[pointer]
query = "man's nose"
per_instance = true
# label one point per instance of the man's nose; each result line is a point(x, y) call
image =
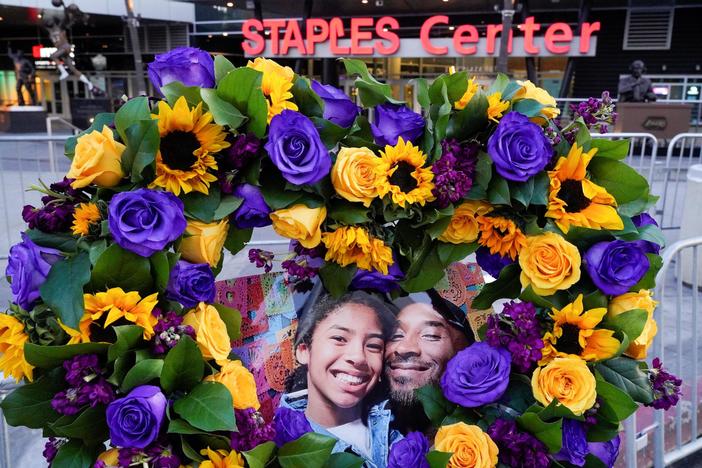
point(408, 345)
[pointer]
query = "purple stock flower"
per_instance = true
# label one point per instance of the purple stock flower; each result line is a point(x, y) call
point(409, 452)
point(135, 420)
point(492, 263)
point(289, 425)
point(191, 283)
point(50, 218)
point(477, 375)
point(666, 387)
point(145, 221)
point(252, 430)
point(574, 448)
point(454, 171)
point(518, 329)
point(393, 121)
point(244, 148)
point(80, 367)
point(518, 449)
point(51, 449)
point(296, 149)
point(253, 211)
point(28, 266)
point(262, 259)
point(169, 330)
point(607, 452)
point(190, 66)
point(87, 384)
point(616, 266)
point(160, 454)
point(339, 109)
point(377, 281)
point(596, 113)
point(519, 148)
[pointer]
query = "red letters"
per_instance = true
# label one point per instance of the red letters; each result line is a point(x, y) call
point(424, 34)
point(292, 38)
point(585, 35)
point(529, 28)
point(274, 26)
point(251, 30)
point(314, 37)
point(459, 39)
point(558, 32)
point(336, 30)
point(380, 30)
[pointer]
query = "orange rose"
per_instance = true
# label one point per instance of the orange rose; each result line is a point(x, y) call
point(566, 380)
point(471, 447)
point(240, 383)
point(463, 228)
point(203, 242)
point(549, 263)
point(210, 332)
point(97, 160)
point(641, 300)
point(354, 174)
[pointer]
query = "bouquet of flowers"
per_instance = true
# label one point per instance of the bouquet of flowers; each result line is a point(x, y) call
point(113, 326)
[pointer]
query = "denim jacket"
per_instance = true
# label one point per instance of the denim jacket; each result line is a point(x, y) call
point(378, 423)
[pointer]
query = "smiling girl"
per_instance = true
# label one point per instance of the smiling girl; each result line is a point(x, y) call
point(340, 345)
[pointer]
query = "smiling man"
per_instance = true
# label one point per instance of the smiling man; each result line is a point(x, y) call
point(430, 331)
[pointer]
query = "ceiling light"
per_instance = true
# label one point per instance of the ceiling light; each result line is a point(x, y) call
point(225, 34)
point(1, 18)
point(39, 15)
point(364, 1)
point(230, 4)
point(209, 36)
point(451, 28)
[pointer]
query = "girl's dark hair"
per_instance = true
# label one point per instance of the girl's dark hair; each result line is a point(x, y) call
point(321, 309)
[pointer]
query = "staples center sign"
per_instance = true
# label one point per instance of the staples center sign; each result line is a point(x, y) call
point(377, 37)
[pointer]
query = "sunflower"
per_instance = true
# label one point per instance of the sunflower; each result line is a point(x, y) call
point(400, 173)
point(496, 106)
point(12, 340)
point(188, 142)
point(501, 235)
point(86, 215)
point(353, 244)
point(574, 333)
point(574, 200)
point(276, 85)
point(221, 459)
point(115, 304)
point(473, 88)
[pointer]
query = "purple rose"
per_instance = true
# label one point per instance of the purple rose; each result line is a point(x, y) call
point(519, 148)
point(135, 420)
point(606, 451)
point(393, 121)
point(253, 212)
point(145, 221)
point(492, 263)
point(28, 266)
point(190, 66)
point(574, 447)
point(375, 280)
point(616, 266)
point(338, 107)
point(296, 149)
point(289, 425)
point(645, 219)
point(477, 375)
point(409, 452)
point(191, 283)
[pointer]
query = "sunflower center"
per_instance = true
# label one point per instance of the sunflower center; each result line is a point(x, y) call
point(402, 177)
point(177, 149)
point(571, 193)
point(568, 342)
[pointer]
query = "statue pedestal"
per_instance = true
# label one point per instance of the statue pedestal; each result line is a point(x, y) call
point(661, 119)
point(23, 119)
point(84, 110)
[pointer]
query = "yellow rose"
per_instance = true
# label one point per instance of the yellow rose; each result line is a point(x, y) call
point(641, 300)
point(210, 332)
point(240, 383)
point(531, 91)
point(97, 160)
point(549, 263)
point(463, 227)
point(567, 380)
point(471, 447)
point(203, 242)
point(300, 223)
point(110, 458)
point(353, 175)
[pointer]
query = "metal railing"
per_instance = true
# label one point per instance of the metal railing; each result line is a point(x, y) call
point(643, 150)
point(683, 151)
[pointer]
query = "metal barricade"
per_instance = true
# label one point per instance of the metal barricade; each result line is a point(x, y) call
point(684, 150)
point(643, 151)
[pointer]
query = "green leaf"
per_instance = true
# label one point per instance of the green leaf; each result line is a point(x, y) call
point(258, 456)
point(180, 426)
point(160, 269)
point(222, 66)
point(652, 233)
point(483, 176)
point(348, 213)
point(175, 89)
point(241, 87)
point(329, 132)
point(30, 405)
point(428, 271)
point(540, 194)
point(142, 140)
point(183, 366)
point(648, 281)
point(435, 404)
point(626, 375)
point(619, 179)
point(438, 459)
point(344, 460)
point(142, 373)
point(528, 107)
point(96, 249)
point(222, 112)
point(422, 92)
point(371, 91)
point(231, 318)
point(61, 241)
point(63, 288)
point(189, 451)
point(75, 454)
point(128, 336)
point(547, 432)
point(89, 426)
point(523, 191)
point(202, 206)
point(48, 357)
point(131, 112)
point(499, 85)
point(613, 149)
point(449, 253)
point(498, 191)
point(237, 238)
point(470, 120)
point(438, 228)
point(227, 205)
point(615, 404)
point(456, 85)
point(336, 278)
point(631, 322)
point(312, 450)
point(507, 286)
point(308, 102)
point(208, 407)
point(117, 267)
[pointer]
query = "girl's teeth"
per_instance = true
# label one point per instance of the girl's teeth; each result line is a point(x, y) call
point(350, 379)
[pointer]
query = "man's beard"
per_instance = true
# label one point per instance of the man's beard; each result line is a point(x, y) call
point(400, 393)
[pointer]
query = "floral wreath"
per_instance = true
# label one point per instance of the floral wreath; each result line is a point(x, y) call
point(113, 326)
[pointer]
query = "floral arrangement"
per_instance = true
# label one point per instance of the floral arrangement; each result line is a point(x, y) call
point(114, 331)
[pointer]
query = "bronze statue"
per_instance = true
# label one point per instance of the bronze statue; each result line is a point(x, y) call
point(636, 87)
point(24, 76)
point(57, 24)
